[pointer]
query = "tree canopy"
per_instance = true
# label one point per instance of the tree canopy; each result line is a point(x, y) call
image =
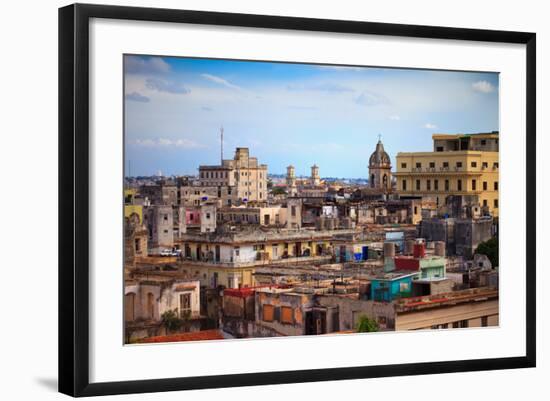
point(366, 325)
point(490, 249)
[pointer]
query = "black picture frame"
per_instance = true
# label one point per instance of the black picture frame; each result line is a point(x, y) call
point(74, 198)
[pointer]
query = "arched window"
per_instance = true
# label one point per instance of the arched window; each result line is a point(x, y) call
point(129, 307)
point(372, 180)
point(385, 179)
point(150, 305)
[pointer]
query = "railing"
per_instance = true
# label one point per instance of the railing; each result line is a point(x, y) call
point(281, 261)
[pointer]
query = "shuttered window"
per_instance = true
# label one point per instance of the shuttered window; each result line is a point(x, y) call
point(287, 315)
point(268, 313)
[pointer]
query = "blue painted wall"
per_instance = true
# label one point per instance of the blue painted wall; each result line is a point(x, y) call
point(387, 291)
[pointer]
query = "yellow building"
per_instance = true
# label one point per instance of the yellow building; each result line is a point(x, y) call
point(129, 210)
point(460, 164)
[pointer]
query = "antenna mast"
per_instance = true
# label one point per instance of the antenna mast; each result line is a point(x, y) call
point(221, 142)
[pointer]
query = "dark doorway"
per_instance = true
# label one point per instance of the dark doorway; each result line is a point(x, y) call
point(316, 322)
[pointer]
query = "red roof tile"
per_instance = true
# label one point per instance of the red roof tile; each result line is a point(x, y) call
point(190, 336)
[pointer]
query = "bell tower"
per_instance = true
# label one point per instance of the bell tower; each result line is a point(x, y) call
point(380, 168)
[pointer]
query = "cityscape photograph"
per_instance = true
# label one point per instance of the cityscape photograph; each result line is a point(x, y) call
point(272, 199)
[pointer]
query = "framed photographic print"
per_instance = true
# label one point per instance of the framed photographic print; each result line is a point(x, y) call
point(297, 199)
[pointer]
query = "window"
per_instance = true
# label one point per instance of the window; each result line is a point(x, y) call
point(382, 320)
point(429, 185)
point(458, 164)
point(185, 305)
point(463, 324)
point(165, 217)
point(495, 204)
point(439, 149)
point(474, 184)
point(403, 165)
point(404, 185)
point(207, 215)
point(432, 164)
point(484, 142)
point(418, 185)
point(129, 307)
point(455, 325)
point(150, 305)
point(495, 186)
point(484, 165)
point(293, 211)
point(287, 315)
point(418, 165)
point(436, 185)
point(267, 313)
point(416, 210)
point(459, 185)
point(485, 185)
point(237, 251)
point(445, 164)
point(485, 202)
point(495, 165)
point(473, 164)
point(446, 185)
point(484, 321)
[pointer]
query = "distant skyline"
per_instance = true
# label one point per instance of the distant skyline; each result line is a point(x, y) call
point(297, 114)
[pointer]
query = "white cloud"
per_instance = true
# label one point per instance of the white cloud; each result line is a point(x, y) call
point(430, 126)
point(322, 87)
point(395, 118)
point(140, 65)
point(159, 142)
point(370, 98)
point(137, 97)
point(483, 87)
point(166, 86)
point(220, 81)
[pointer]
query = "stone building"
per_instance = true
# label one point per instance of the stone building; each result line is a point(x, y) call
point(159, 221)
point(208, 217)
point(291, 180)
point(294, 213)
point(243, 177)
point(274, 216)
point(315, 179)
point(461, 224)
point(162, 193)
point(135, 238)
point(380, 169)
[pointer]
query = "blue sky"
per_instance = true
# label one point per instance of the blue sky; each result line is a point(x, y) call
point(297, 114)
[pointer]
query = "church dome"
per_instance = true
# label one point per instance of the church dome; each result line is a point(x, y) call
point(379, 157)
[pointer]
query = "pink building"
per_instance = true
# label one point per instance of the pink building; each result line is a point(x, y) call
point(192, 217)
